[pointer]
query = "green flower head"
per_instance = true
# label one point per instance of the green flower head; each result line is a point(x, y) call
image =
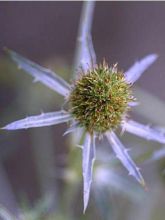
point(99, 98)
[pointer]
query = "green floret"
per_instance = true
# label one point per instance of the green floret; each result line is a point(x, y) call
point(99, 99)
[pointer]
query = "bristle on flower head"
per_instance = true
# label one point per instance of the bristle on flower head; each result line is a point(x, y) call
point(99, 99)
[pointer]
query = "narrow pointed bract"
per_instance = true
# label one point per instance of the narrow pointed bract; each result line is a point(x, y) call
point(124, 157)
point(44, 119)
point(133, 104)
point(85, 57)
point(71, 129)
point(87, 166)
point(144, 131)
point(139, 67)
point(45, 76)
point(157, 155)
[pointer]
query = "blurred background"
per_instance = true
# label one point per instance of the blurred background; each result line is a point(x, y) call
point(40, 169)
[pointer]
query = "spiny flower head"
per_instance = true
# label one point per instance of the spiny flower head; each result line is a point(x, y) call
point(104, 91)
point(99, 98)
point(98, 101)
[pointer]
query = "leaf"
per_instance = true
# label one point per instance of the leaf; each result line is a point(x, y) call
point(144, 131)
point(124, 157)
point(85, 55)
point(134, 73)
point(87, 165)
point(46, 76)
point(44, 119)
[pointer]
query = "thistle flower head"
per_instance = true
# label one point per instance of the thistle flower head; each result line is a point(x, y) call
point(99, 99)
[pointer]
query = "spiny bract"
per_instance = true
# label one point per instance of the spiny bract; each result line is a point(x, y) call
point(99, 99)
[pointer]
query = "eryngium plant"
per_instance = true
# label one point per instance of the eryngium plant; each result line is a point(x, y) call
point(98, 101)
